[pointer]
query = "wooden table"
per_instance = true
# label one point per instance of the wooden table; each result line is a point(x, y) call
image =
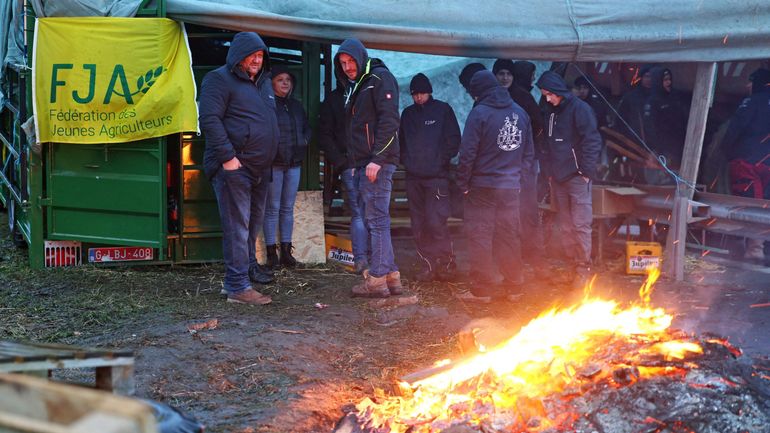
point(114, 368)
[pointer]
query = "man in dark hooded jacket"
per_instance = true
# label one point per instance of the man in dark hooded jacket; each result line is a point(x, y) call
point(429, 138)
point(531, 230)
point(573, 147)
point(371, 105)
point(237, 116)
point(747, 147)
point(496, 148)
point(664, 124)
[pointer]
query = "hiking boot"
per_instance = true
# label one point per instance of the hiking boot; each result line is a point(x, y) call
point(393, 280)
point(272, 256)
point(360, 266)
point(249, 296)
point(264, 270)
point(467, 295)
point(287, 259)
point(257, 275)
point(371, 287)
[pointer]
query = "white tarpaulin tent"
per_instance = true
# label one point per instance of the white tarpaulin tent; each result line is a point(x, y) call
point(558, 30)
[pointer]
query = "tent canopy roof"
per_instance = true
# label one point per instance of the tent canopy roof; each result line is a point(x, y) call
point(558, 30)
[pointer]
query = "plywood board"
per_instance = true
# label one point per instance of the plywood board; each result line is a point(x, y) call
point(308, 235)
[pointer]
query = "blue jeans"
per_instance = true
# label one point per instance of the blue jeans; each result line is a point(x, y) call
point(241, 198)
point(281, 195)
point(574, 216)
point(492, 232)
point(429, 208)
point(359, 236)
point(374, 199)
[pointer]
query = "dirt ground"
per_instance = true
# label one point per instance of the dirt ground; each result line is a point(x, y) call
point(291, 366)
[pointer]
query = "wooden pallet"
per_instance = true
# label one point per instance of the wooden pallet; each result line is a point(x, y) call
point(33, 405)
point(114, 369)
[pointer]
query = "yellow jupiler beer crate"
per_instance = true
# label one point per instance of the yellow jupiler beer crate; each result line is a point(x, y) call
point(643, 256)
point(339, 249)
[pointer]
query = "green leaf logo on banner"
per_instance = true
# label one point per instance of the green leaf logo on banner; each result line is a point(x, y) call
point(143, 83)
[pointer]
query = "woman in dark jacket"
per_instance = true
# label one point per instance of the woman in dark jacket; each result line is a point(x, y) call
point(292, 147)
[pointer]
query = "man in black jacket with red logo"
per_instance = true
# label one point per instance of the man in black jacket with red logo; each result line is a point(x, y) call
point(429, 138)
point(573, 147)
point(371, 106)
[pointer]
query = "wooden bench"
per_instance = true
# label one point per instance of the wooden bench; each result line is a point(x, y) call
point(114, 368)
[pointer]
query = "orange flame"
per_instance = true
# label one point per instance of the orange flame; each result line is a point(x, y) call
point(547, 356)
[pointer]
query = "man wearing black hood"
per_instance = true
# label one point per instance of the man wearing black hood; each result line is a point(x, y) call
point(747, 147)
point(496, 148)
point(573, 147)
point(429, 138)
point(630, 122)
point(371, 105)
point(664, 124)
point(237, 116)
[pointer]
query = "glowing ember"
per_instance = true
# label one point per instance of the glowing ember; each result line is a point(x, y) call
point(554, 354)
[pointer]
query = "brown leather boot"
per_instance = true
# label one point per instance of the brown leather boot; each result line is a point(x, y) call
point(249, 296)
point(371, 287)
point(393, 280)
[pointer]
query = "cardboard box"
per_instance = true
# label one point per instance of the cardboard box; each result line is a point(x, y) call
point(641, 257)
point(614, 200)
point(339, 249)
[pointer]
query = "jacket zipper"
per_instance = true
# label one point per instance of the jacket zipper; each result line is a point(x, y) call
point(574, 156)
point(550, 125)
point(366, 125)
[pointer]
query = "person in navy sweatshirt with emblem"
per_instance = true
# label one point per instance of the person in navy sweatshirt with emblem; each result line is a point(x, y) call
point(429, 138)
point(495, 150)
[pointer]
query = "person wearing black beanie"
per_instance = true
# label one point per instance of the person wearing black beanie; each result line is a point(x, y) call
point(467, 73)
point(420, 84)
point(429, 137)
point(503, 70)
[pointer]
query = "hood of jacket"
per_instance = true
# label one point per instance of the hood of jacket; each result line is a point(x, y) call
point(656, 75)
point(488, 90)
point(355, 49)
point(245, 43)
point(522, 74)
point(554, 83)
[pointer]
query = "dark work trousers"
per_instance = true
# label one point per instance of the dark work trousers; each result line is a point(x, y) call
point(573, 213)
point(492, 233)
point(429, 208)
point(532, 240)
point(241, 197)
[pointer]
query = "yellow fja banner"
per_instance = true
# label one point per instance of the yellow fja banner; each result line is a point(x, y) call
point(101, 80)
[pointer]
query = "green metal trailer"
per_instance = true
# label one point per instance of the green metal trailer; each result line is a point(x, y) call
point(141, 200)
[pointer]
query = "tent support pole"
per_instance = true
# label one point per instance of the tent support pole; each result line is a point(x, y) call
point(702, 98)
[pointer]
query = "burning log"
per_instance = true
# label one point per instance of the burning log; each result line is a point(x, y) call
point(594, 367)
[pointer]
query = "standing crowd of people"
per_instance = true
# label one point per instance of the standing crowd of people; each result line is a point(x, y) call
point(510, 151)
point(257, 136)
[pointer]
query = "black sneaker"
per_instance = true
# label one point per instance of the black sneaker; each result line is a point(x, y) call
point(257, 276)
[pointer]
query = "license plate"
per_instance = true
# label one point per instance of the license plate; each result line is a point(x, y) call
point(119, 254)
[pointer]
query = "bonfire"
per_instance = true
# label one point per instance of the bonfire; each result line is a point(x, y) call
point(596, 366)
